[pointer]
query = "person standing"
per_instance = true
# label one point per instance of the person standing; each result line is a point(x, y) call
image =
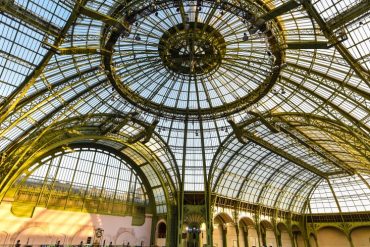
point(18, 244)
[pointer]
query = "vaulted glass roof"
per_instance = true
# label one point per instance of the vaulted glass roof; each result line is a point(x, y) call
point(263, 101)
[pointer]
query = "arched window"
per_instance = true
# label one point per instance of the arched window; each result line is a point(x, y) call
point(82, 177)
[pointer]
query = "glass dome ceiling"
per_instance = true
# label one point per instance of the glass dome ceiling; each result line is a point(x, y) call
point(190, 59)
point(234, 93)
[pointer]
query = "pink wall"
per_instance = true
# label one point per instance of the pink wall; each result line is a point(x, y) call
point(48, 226)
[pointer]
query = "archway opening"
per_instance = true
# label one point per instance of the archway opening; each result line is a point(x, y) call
point(224, 233)
point(360, 236)
point(283, 237)
point(162, 230)
point(247, 233)
point(267, 234)
point(297, 236)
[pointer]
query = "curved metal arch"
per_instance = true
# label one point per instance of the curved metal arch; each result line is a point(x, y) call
point(362, 155)
point(245, 180)
point(108, 117)
point(309, 116)
point(269, 181)
point(340, 83)
point(223, 168)
point(129, 161)
point(282, 224)
point(264, 221)
point(311, 120)
point(343, 113)
point(22, 149)
point(367, 224)
point(293, 202)
point(245, 219)
point(320, 227)
point(48, 147)
point(54, 111)
point(225, 217)
point(17, 95)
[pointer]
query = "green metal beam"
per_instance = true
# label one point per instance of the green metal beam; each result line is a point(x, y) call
point(323, 101)
point(118, 126)
point(260, 22)
point(120, 24)
point(285, 7)
point(12, 101)
point(17, 11)
point(145, 134)
point(242, 133)
point(271, 126)
point(349, 15)
point(32, 97)
point(51, 113)
point(358, 90)
point(318, 149)
point(282, 153)
point(81, 50)
point(307, 45)
point(330, 35)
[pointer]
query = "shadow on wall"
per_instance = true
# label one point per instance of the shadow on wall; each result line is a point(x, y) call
point(126, 238)
point(361, 236)
point(332, 237)
point(285, 238)
point(3, 237)
point(247, 232)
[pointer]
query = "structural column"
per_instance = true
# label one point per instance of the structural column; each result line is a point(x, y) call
point(224, 234)
point(245, 236)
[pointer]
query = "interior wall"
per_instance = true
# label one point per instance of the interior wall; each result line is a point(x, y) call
point(270, 238)
point(285, 238)
point(217, 235)
point(332, 237)
point(312, 241)
point(300, 240)
point(48, 226)
point(361, 237)
point(252, 237)
point(231, 236)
